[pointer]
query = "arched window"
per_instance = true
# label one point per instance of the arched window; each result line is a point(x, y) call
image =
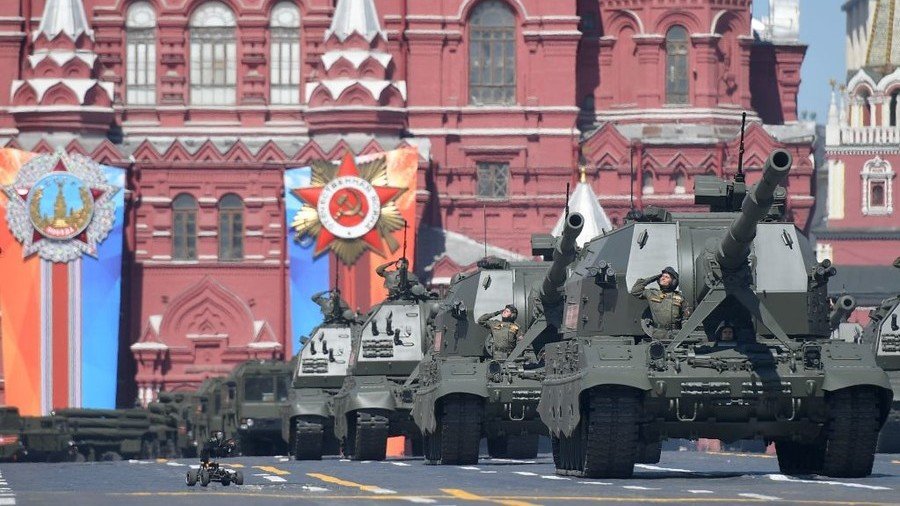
point(213, 55)
point(284, 27)
point(184, 227)
point(140, 58)
point(680, 182)
point(864, 108)
point(231, 228)
point(492, 54)
point(677, 65)
point(893, 108)
point(647, 183)
point(877, 192)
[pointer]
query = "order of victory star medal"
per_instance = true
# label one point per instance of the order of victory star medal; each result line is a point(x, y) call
point(60, 207)
point(348, 209)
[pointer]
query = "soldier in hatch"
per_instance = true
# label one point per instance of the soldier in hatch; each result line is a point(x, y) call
point(216, 447)
point(400, 281)
point(505, 333)
point(725, 334)
point(667, 306)
point(331, 303)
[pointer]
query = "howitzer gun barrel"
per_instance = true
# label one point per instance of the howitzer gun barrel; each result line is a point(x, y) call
point(563, 255)
point(842, 309)
point(735, 246)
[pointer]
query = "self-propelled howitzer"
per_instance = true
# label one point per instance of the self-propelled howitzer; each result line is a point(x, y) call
point(612, 391)
point(469, 390)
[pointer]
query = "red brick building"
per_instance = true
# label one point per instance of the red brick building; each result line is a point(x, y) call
point(206, 102)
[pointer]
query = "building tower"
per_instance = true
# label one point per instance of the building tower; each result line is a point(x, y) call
point(861, 230)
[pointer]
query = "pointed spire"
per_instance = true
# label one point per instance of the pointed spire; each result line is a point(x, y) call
point(355, 16)
point(584, 201)
point(66, 16)
point(832, 107)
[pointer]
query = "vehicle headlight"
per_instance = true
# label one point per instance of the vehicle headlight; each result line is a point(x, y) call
point(249, 422)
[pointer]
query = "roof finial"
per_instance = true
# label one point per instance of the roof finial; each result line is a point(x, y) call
point(66, 16)
point(582, 173)
point(355, 16)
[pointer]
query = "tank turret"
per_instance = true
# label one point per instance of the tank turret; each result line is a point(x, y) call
point(563, 255)
point(843, 307)
point(735, 245)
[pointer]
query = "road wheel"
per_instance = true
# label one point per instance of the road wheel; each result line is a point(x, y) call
point(191, 477)
point(370, 433)
point(459, 429)
point(554, 446)
point(610, 433)
point(238, 478)
point(851, 433)
point(226, 480)
point(308, 439)
point(204, 477)
point(799, 458)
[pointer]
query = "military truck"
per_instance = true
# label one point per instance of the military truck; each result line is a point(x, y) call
point(466, 391)
point(10, 428)
point(48, 439)
point(252, 398)
point(206, 416)
point(307, 420)
point(177, 408)
point(882, 334)
point(612, 391)
point(375, 401)
point(109, 434)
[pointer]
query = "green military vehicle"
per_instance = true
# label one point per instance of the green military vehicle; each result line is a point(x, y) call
point(466, 390)
point(619, 382)
point(110, 434)
point(10, 429)
point(252, 398)
point(882, 334)
point(376, 400)
point(206, 416)
point(177, 408)
point(307, 420)
point(48, 439)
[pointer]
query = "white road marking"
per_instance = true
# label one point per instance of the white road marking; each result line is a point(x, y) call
point(195, 466)
point(469, 468)
point(420, 500)
point(781, 477)
point(488, 472)
point(7, 501)
point(761, 497)
point(595, 483)
point(700, 491)
point(525, 473)
point(514, 461)
point(177, 464)
point(380, 490)
point(638, 487)
point(401, 464)
point(344, 460)
point(276, 479)
point(553, 477)
point(657, 468)
point(282, 459)
point(310, 488)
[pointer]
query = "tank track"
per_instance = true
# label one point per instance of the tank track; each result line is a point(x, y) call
point(889, 437)
point(846, 447)
point(309, 435)
point(605, 443)
point(457, 438)
point(370, 436)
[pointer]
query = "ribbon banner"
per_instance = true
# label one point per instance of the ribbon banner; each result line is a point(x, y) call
point(61, 265)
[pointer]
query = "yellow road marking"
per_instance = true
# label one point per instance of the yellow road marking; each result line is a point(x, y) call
point(344, 483)
point(236, 466)
point(161, 461)
point(737, 454)
point(468, 496)
point(273, 470)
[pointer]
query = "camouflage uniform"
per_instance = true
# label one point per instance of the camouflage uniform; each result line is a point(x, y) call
point(398, 280)
point(666, 305)
point(504, 335)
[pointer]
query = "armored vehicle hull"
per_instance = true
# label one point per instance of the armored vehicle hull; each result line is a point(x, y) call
point(109, 434)
point(882, 334)
point(375, 402)
point(10, 427)
point(307, 420)
point(48, 439)
point(616, 385)
point(253, 396)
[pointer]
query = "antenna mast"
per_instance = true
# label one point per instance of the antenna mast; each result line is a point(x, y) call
point(405, 226)
point(484, 219)
point(567, 202)
point(631, 166)
point(740, 168)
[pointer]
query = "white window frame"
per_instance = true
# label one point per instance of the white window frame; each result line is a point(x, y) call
point(140, 54)
point(213, 63)
point(285, 56)
point(877, 170)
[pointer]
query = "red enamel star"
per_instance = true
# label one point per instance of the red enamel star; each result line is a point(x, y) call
point(311, 195)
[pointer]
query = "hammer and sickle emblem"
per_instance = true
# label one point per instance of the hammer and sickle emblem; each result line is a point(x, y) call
point(348, 204)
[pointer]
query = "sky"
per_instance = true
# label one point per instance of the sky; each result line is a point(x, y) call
point(822, 27)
